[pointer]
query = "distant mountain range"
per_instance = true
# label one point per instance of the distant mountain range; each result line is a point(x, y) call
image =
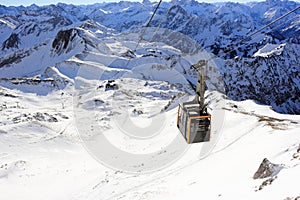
point(265, 68)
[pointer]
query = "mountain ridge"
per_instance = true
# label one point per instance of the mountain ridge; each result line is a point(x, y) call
point(214, 26)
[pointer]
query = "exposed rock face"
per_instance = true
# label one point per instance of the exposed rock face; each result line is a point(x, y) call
point(63, 40)
point(297, 154)
point(272, 80)
point(16, 57)
point(291, 198)
point(12, 42)
point(265, 183)
point(267, 169)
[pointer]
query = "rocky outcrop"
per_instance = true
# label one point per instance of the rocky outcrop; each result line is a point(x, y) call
point(297, 154)
point(63, 40)
point(293, 198)
point(267, 169)
point(272, 80)
point(12, 42)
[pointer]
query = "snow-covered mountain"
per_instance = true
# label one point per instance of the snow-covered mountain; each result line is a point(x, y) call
point(92, 70)
point(28, 31)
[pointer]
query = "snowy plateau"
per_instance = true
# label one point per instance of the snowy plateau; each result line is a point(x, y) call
point(89, 98)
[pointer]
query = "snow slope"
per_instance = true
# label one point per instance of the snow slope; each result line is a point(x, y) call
point(270, 49)
point(29, 32)
point(54, 128)
point(42, 159)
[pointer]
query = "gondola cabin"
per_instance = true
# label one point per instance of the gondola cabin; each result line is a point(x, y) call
point(193, 120)
point(194, 125)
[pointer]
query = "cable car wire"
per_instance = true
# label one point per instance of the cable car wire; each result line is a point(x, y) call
point(229, 49)
point(147, 25)
point(255, 32)
point(269, 31)
point(269, 24)
point(144, 31)
point(165, 16)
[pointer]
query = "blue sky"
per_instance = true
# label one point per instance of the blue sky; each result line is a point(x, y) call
point(78, 2)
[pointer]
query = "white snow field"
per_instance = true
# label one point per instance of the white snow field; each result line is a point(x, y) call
point(270, 49)
point(53, 129)
point(42, 159)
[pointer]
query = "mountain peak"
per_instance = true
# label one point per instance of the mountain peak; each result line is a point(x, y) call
point(188, 2)
point(146, 2)
point(63, 39)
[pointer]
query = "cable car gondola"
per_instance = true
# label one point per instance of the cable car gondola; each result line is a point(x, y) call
point(193, 120)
